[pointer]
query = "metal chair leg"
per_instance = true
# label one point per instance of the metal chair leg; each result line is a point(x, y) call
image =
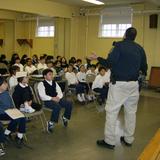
point(42, 122)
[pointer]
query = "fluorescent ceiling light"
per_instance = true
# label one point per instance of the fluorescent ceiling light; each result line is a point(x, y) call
point(94, 2)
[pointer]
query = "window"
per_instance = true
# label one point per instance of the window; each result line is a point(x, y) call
point(45, 31)
point(114, 30)
point(114, 22)
point(45, 28)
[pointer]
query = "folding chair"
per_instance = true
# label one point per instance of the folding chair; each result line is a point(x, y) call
point(39, 101)
point(90, 79)
point(4, 123)
point(40, 114)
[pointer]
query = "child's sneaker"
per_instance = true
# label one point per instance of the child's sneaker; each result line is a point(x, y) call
point(89, 98)
point(79, 98)
point(50, 126)
point(83, 97)
point(64, 121)
point(19, 142)
point(2, 152)
point(29, 109)
point(22, 108)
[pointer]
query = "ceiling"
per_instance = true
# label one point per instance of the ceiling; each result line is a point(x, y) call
point(107, 2)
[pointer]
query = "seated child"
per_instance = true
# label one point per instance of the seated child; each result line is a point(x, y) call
point(78, 64)
point(13, 79)
point(17, 63)
point(73, 83)
point(58, 67)
point(22, 95)
point(18, 124)
point(92, 69)
point(50, 65)
point(51, 94)
point(100, 84)
point(42, 64)
point(81, 76)
point(29, 67)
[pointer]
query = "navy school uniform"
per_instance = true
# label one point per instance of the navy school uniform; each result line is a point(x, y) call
point(49, 89)
point(23, 94)
point(81, 76)
point(73, 82)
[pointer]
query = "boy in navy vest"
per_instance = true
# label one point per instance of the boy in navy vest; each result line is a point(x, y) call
point(51, 94)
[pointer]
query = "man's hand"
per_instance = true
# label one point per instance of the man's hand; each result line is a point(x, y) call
point(93, 56)
point(56, 99)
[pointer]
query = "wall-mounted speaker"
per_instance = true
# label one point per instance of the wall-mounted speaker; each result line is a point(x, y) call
point(153, 21)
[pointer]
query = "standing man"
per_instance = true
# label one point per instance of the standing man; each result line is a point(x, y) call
point(126, 60)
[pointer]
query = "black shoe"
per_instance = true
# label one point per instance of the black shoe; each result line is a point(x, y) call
point(50, 126)
point(124, 142)
point(100, 102)
point(102, 143)
point(8, 139)
point(19, 142)
point(64, 121)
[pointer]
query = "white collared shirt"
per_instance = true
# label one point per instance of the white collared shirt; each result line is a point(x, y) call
point(30, 69)
point(90, 72)
point(42, 92)
point(71, 78)
point(81, 76)
point(23, 86)
point(41, 66)
point(20, 66)
point(13, 81)
point(100, 81)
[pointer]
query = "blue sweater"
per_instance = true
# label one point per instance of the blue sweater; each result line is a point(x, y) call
point(125, 61)
point(5, 102)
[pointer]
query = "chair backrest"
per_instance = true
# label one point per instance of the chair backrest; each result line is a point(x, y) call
point(40, 71)
point(34, 96)
point(3, 68)
point(90, 78)
point(37, 97)
point(11, 90)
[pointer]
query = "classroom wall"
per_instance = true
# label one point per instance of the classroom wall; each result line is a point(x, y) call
point(40, 7)
point(27, 30)
point(76, 36)
point(88, 40)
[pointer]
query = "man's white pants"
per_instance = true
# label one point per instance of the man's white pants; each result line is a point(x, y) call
point(121, 93)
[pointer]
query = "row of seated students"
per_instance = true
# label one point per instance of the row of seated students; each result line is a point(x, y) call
point(75, 73)
point(77, 81)
point(32, 64)
point(49, 92)
point(22, 94)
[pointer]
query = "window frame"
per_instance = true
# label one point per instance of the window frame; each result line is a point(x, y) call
point(48, 31)
point(109, 11)
point(117, 31)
